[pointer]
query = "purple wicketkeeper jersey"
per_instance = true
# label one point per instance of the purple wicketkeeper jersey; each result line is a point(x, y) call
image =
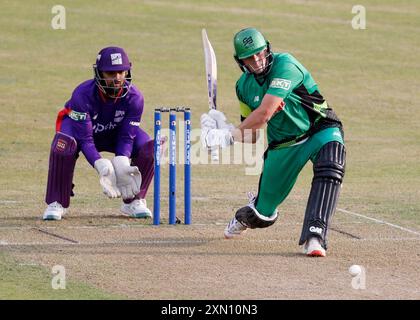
point(97, 120)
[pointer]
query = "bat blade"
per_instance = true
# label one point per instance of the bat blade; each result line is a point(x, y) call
point(211, 78)
point(211, 70)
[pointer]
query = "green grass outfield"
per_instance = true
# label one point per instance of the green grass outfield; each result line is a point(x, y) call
point(31, 281)
point(370, 77)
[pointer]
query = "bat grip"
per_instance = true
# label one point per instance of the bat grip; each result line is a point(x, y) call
point(214, 154)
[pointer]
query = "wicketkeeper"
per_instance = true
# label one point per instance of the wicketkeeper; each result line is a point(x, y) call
point(103, 114)
point(277, 90)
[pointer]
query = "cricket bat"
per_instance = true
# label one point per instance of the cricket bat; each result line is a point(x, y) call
point(211, 78)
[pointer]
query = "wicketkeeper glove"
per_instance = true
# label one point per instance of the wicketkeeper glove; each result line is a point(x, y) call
point(128, 177)
point(107, 178)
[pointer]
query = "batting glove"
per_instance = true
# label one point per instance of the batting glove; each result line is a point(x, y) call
point(207, 122)
point(216, 138)
point(220, 119)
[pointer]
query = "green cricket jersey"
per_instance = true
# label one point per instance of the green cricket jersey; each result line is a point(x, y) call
point(305, 109)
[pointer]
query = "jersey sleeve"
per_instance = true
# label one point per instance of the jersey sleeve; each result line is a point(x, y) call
point(285, 80)
point(244, 109)
point(82, 127)
point(129, 127)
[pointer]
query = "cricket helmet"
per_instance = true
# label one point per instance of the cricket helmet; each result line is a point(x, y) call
point(249, 42)
point(111, 59)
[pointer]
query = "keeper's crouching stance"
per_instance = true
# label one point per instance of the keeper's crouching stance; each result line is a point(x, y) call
point(103, 114)
point(276, 89)
point(120, 177)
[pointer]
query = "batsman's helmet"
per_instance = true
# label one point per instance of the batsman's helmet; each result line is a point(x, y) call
point(112, 59)
point(249, 42)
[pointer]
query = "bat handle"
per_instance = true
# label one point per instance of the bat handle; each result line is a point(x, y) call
point(215, 154)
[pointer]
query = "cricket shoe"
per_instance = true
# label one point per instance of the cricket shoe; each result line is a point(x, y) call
point(234, 229)
point(313, 248)
point(137, 209)
point(54, 211)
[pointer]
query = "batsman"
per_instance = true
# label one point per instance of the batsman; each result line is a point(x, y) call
point(277, 91)
point(103, 114)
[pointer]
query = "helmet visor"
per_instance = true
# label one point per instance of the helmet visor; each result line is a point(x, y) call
point(257, 63)
point(112, 86)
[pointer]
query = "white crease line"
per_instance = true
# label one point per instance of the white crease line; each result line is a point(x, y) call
point(127, 242)
point(379, 221)
point(8, 202)
point(127, 226)
point(15, 228)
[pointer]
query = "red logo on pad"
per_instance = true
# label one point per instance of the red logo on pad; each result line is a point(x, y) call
point(61, 145)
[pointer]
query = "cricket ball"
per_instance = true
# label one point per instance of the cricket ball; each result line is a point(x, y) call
point(355, 270)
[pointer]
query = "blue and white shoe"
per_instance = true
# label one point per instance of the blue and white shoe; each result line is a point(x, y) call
point(54, 211)
point(137, 209)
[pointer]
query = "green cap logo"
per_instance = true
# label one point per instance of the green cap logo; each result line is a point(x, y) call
point(248, 42)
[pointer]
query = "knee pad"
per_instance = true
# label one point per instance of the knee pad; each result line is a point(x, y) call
point(329, 171)
point(62, 161)
point(331, 162)
point(251, 218)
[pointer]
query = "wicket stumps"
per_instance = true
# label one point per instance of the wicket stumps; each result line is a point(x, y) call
point(172, 164)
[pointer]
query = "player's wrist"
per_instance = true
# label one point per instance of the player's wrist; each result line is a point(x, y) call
point(236, 134)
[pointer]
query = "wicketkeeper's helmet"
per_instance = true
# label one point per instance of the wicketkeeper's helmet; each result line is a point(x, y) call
point(112, 59)
point(248, 42)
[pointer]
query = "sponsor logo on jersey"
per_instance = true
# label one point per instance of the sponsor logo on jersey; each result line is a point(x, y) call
point(256, 99)
point(280, 83)
point(134, 123)
point(119, 115)
point(116, 58)
point(100, 127)
point(315, 230)
point(77, 116)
